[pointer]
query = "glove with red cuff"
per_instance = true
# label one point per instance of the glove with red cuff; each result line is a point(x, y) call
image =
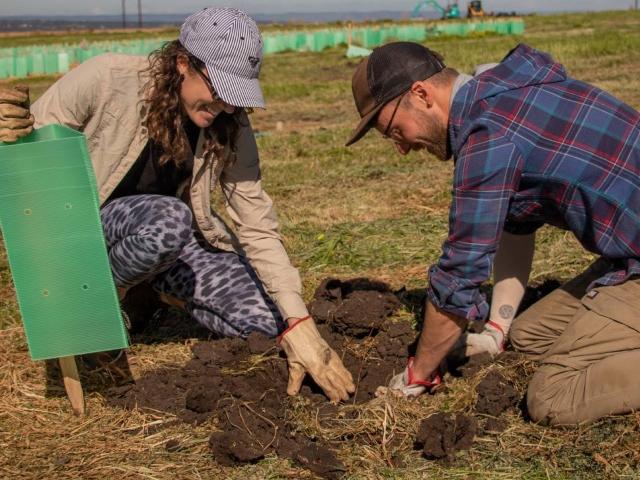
point(308, 352)
point(491, 340)
point(406, 385)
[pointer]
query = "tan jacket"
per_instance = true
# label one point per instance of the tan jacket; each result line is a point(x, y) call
point(101, 98)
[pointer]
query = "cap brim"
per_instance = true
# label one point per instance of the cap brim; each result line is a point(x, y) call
point(236, 91)
point(364, 126)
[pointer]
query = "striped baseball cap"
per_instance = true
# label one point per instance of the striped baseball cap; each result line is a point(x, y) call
point(228, 41)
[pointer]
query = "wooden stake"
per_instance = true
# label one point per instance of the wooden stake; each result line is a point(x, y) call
point(72, 384)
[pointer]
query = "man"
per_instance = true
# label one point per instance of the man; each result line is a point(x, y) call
point(530, 146)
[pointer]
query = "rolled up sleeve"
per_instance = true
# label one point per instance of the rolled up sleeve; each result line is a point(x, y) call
point(256, 225)
point(487, 174)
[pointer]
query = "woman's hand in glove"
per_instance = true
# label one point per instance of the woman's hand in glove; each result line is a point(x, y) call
point(15, 118)
point(308, 352)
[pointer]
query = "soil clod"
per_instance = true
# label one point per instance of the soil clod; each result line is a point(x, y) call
point(357, 307)
point(495, 394)
point(172, 445)
point(443, 434)
point(320, 460)
point(234, 448)
point(474, 364)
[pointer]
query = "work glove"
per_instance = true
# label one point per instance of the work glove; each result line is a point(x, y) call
point(490, 340)
point(406, 385)
point(15, 118)
point(307, 352)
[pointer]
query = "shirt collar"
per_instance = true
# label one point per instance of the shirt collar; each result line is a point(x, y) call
point(457, 84)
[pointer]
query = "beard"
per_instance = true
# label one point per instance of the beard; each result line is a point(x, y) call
point(434, 136)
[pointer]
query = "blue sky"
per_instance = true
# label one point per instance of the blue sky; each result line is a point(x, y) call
point(84, 7)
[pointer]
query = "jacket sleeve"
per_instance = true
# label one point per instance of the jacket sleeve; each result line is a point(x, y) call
point(487, 175)
point(256, 226)
point(71, 99)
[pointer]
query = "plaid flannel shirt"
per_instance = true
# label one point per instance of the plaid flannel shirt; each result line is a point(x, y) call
point(532, 146)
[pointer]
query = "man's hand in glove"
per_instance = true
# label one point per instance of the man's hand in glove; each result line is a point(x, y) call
point(405, 385)
point(307, 352)
point(15, 118)
point(490, 340)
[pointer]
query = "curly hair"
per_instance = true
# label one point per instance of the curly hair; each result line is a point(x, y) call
point(165, 115)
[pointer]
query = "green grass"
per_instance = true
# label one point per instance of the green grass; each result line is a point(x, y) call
point(366, 211)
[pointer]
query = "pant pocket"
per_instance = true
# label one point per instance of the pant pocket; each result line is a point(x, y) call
point(620, 303)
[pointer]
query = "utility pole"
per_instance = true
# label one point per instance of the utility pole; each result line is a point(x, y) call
point(124, 15)
point(140, 13)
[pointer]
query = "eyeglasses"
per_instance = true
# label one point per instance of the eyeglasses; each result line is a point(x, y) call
point(393, 115)
point(209, 85)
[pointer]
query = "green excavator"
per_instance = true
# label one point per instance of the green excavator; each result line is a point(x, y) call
point(451, 11)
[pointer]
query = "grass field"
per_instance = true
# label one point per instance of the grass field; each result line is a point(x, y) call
point(362, 211)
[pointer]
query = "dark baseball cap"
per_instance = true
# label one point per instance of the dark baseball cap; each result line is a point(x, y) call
point(387, 72)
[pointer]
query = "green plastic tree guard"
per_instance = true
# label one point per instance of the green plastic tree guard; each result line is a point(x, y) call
point(37, 64)
point(53, 236)
point(51, 63)
point(63, 62)
point(23, 61)
point(21, 67)
point(516, 27)
point(356, 52)
point(4, 67)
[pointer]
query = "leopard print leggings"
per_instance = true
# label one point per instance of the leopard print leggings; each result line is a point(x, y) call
point(150, 238)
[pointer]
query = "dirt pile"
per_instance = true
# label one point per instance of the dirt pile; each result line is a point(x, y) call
point(495, 394)
point(443, 434)
point(469, 367)
point(374, 360)
point(357, 307)
point(249, 431)
point(353, 317)
point(242, 383)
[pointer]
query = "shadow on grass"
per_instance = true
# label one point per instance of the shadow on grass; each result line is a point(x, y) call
point(152, 322)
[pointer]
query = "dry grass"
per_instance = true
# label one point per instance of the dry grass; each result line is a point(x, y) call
point(350, 212)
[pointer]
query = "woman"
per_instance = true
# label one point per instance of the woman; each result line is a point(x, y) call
point(162, 133)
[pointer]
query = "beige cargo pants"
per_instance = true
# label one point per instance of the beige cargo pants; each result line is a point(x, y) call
point(588, 346)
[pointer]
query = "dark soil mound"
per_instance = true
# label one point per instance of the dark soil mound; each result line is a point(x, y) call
point(372, 362)
point(248, 399)
point(243, 383)
point(495, 394)
point(357, 307)
point(474, 364)
point(249, 431)
point(320, 460)
point(443, 434)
